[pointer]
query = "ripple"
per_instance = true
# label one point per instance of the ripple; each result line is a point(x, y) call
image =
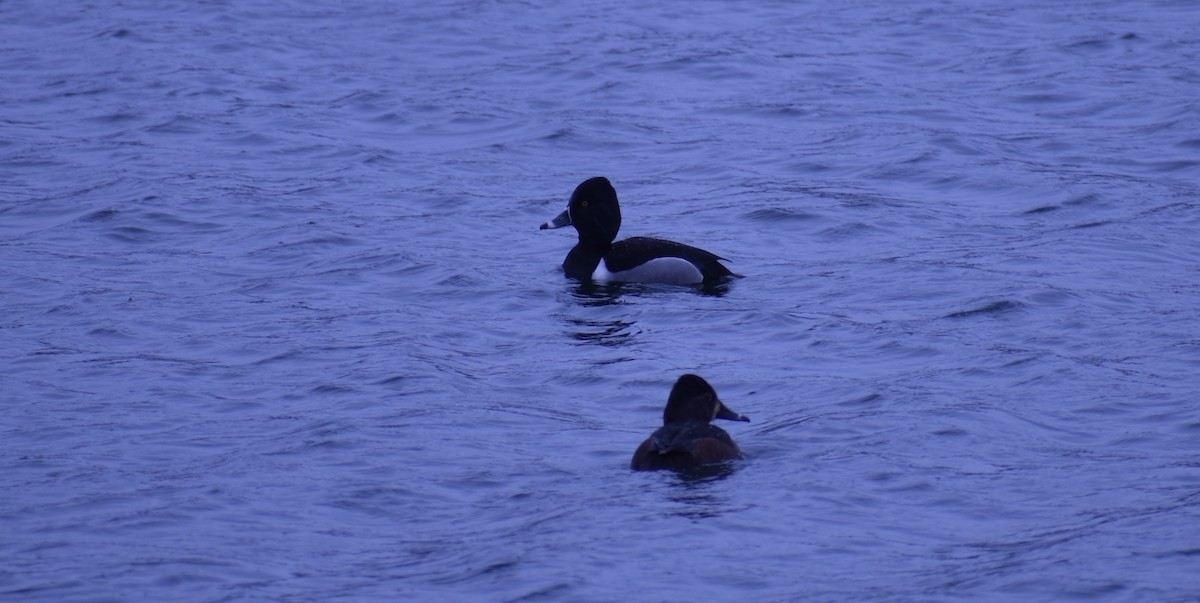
point(779, 214)
point(997, 307)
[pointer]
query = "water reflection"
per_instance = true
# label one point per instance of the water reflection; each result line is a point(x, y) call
point(588, 293)
point(615, 332)
point(717, 289)
point(591, 294)
point(696, 477)
point(693, 491)
point(603, 332)
point(606, 332)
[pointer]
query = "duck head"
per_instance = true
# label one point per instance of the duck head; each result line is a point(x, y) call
point(692, 399)
point(593, 211)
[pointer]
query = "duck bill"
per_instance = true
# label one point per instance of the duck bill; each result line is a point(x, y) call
point(563, 219)
point(729, 415)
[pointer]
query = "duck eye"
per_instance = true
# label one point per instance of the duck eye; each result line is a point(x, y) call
point(583, 204)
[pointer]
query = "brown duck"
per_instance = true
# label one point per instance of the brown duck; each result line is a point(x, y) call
point(687, 437)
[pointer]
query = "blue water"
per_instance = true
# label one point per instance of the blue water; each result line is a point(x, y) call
point(279, 324)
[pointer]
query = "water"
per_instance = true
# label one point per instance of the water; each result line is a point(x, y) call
point(279, 323)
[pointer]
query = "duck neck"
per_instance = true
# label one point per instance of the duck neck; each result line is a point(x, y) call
point(581, 262)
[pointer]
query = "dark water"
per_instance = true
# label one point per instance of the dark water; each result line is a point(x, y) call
point(278, 322)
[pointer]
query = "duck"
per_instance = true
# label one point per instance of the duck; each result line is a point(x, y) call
point(596, 215)
point(687, 437)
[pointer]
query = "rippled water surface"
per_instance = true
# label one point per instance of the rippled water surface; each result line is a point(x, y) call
point(278, 322)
